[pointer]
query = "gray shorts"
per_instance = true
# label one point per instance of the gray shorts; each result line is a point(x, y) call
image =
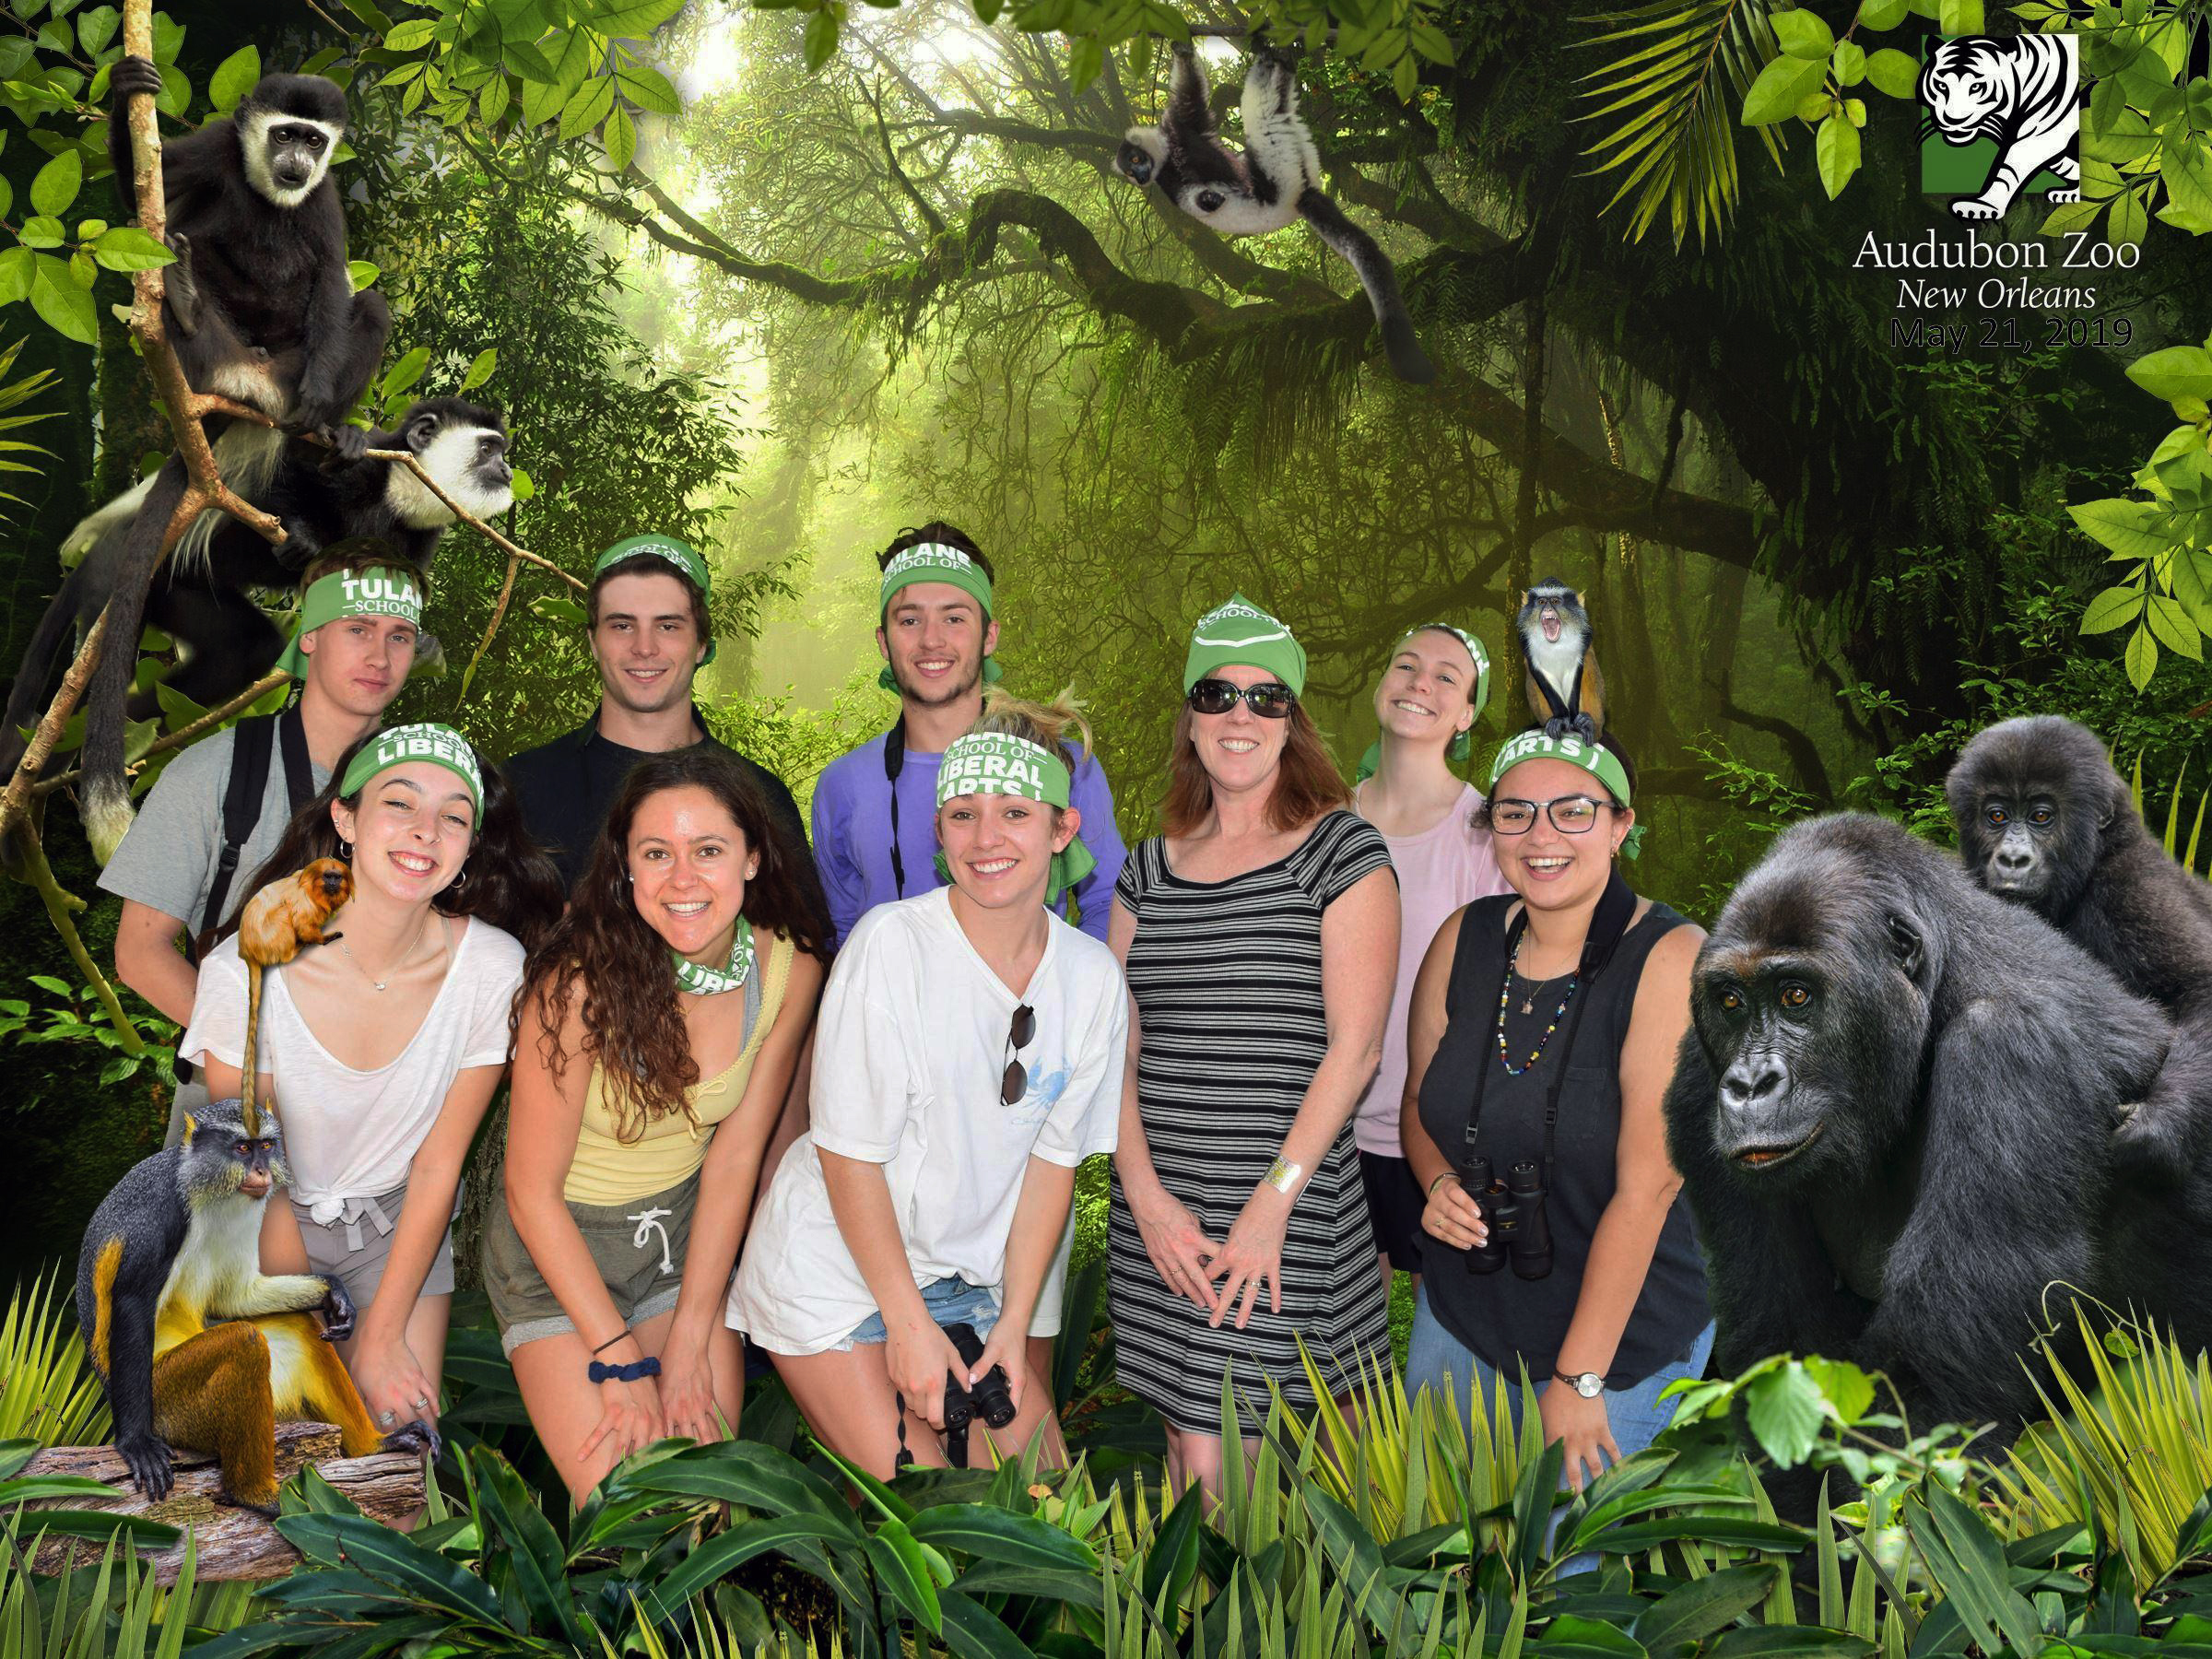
point(638, 1248)
point(355, 1246)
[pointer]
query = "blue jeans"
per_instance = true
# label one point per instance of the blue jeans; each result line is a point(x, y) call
point(951, 1301)
point(1636, 1415)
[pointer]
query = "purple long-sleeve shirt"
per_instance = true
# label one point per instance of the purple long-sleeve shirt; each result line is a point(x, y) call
point(853, 835)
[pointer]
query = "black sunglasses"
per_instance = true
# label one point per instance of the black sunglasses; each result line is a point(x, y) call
point(1014, 1081)
point(1270, 700)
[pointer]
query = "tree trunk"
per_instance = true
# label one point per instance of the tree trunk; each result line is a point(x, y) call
point(230, 1542)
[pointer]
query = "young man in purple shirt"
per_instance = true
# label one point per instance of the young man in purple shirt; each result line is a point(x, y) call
point(874, 809)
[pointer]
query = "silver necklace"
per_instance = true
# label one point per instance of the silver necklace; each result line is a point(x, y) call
point(391, 972)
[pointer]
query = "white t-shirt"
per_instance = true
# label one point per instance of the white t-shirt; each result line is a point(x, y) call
point(907, 1066)
point(352, 1133)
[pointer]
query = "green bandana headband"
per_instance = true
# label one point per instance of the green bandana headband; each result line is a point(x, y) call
point(712, 982)
point(689, 564)
point(1242, 633)
point(384, 591)
point(1600, 762)
point(935, 561)
point(440, 745)
point(1001, 763)
point(1463, 743)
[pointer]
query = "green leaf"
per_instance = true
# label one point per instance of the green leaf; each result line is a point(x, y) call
point(972, 1632)
point(492, 101)
point(15, 274)
point(901, 1568)
point(361, 274)
point(1848, 1390)
point(57, 184)
point(96, 28)
point(541, 102)
point(649, 90)
point(620, 136)
point(1086, 58)
point(175, 95)
point(1803, 34)
point(393, 1558)
point(128, 248)
point(1405, 78)
point(2116, 608)
point(635, 20)
point(1960, 18)
point(233, 79)
point(1001, 1536)
point(405, 372)
point(169, 38)
point(481, 369)
point(2134, 529)
point(1784, 1408)
point(587, 107)
point(44, 233)
point(535, 1553)
point(2175, 628)
point(728, 1551)
point(65, 308)
point(411, 36)
point(1781, 86)
point(1848, 63)
point(822, 39)
point(523, 486)
point(1838, 151)
point(1640, 1536)
point(1704, 1606)
point(46, 982)
point(1881, 14)
point(1574, 1637)
point(2142, 658)
point(2177, 372)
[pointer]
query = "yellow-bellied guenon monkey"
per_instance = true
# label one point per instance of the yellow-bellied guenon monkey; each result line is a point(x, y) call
point(196, 1344)
point(1566, 693)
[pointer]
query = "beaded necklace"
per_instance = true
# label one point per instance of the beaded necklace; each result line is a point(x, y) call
point(1574, 981)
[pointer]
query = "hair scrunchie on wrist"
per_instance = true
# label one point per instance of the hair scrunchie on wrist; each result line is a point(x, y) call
point(637, 1371)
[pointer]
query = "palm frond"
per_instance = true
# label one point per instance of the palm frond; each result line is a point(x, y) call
point(16, 392)
point(1672, 97)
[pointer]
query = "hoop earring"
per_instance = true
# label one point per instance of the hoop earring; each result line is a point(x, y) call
point(345, 849)
point(461, 880)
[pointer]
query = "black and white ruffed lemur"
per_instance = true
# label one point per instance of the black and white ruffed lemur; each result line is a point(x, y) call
point(1275, 182)
point(1566, 692)
point(196, 1345)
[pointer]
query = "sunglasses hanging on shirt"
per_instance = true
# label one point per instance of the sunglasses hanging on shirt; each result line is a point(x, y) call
point(1014, 1082)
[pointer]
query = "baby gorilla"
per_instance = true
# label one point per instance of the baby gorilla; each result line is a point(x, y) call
point(2045, 821)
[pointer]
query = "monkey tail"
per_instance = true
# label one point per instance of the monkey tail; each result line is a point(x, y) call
point(1358, 249)
point(249, 1105)
point(105, 795)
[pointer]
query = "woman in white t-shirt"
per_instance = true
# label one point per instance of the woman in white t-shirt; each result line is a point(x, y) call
point(379, 1050)
point(1428, 701)
point(969, 1058)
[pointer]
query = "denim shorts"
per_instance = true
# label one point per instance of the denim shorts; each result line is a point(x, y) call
point(951, 1301)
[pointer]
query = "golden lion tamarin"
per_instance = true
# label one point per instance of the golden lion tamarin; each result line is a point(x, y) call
point(276, 922)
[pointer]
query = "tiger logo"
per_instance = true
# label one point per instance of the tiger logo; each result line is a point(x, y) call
point(2024, 93)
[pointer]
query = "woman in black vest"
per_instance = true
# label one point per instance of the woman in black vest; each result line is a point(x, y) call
point(1542, 1038)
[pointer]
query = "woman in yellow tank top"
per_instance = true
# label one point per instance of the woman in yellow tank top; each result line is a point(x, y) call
point(655, 1036)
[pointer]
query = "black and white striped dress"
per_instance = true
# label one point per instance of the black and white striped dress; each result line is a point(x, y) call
point(1226, 977)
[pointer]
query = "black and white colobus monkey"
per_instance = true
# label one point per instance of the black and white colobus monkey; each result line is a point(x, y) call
point(260, 309)
point(200, 597)
point(1273, 183)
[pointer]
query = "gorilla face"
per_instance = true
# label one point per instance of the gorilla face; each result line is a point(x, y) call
point(2032, 800)
point(1807, 1002)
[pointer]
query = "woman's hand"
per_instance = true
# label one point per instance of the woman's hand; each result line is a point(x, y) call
point(1253, 1252)
point(1583, 1428)
point(918, 1356)
point(686, 1388)
point(1452, 1216)
point(392, 1383)
point(1177, 1245)
point(630, 1419)
point(1007, 1349)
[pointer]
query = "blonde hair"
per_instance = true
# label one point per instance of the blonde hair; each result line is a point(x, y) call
point(1045, 724)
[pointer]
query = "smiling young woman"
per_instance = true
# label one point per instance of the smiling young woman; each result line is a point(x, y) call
point(380, 1050)
point(655, 1038)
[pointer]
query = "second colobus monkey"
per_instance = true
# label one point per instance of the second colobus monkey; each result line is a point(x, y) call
point(1273, 183)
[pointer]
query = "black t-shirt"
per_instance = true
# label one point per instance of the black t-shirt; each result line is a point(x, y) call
point(1502, 1317)
point(567, 787)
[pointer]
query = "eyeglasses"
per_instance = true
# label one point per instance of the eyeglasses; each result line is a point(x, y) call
point(1014, 1081)
point(1270, 700)
point(1570, 815)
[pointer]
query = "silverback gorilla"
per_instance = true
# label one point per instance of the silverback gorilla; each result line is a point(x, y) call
point(2046, 821)
point(1892, 1118)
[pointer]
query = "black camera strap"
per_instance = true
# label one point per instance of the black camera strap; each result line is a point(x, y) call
point(1615, 909)
point(894, 762)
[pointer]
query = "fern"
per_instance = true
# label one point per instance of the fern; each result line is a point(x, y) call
point(1676, 91)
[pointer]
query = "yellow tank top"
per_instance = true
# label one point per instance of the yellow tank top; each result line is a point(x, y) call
point(608, 1170)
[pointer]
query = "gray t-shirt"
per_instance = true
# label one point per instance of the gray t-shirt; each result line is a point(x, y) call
point(168, 859)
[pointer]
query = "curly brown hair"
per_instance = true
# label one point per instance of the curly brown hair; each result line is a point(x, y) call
point(633, 1023)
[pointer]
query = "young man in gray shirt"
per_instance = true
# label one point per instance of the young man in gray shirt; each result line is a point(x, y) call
point(359, 624)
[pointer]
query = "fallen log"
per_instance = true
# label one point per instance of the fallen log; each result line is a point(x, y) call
point(230, 1543)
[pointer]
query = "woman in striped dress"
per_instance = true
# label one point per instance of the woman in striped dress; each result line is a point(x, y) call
point(1259, 936)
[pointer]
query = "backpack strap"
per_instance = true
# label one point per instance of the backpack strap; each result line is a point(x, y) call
point(894, 762)
point(244, 792)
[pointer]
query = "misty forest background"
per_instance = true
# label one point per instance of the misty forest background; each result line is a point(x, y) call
point(1816, 561)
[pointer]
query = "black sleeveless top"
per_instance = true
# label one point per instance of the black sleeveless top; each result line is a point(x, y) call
point(1504, 1319)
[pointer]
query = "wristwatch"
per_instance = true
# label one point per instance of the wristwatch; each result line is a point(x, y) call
point(1589, 1384)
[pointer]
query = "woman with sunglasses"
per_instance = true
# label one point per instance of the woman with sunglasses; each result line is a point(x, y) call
point(1544, 1031)
point(970, 1058)
point(656, 1037)
point(1427, 702)
point(1258, 935)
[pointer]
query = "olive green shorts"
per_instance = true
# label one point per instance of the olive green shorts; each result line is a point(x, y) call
point(638, 1248)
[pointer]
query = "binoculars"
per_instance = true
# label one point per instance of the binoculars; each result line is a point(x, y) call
point(1513, 1210)
point(989, 1399)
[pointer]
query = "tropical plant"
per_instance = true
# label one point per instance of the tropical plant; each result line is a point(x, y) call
point(2182, 852)
point(48, 1394)
point(13, 396)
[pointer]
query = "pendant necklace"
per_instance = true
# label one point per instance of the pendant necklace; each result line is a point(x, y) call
point(391, 972)
point(1528, 1006)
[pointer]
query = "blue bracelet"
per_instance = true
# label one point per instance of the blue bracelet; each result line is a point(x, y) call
point(636, 1372)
